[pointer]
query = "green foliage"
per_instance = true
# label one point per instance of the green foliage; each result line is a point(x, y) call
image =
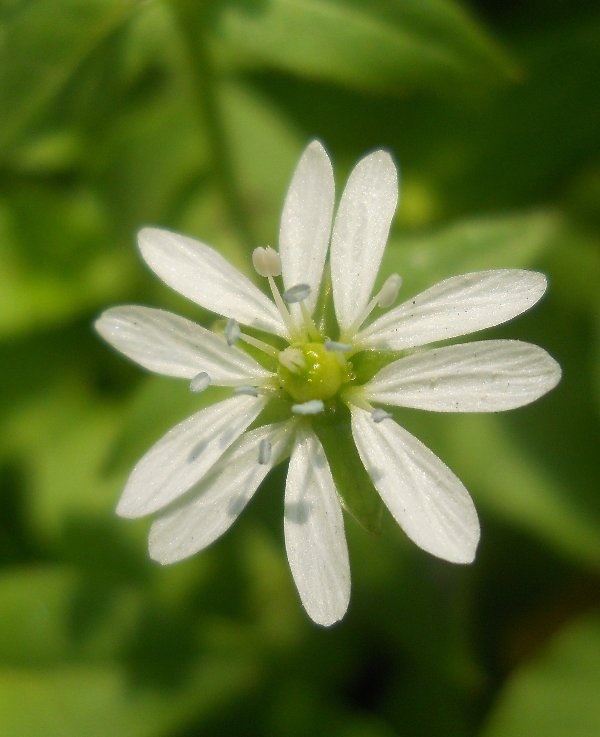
point(116, 114)
point(535, 700)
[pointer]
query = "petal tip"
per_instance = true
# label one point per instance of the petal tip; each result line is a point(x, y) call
point(126, 509)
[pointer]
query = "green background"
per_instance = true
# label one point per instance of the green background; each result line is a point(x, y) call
point(115, 114)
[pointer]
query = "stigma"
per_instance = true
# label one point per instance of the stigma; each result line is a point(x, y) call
point(309, 371)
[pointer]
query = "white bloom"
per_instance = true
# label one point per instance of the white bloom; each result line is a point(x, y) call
point(204, 471)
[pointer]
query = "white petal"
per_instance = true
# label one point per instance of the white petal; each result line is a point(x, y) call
point(455, 306)
point(314, 533)
point(360, 233)
point(182, 456)
point(484, 376)
point(171, 345)
point(204, 276)
point(426, 499)
point(306, 221)
point(212, 506)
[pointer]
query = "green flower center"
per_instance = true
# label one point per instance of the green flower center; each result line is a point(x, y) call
point(309, 371)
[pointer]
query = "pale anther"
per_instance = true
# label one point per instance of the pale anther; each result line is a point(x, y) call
point(266, 261)
point(298, 293)
point(250, 391)
point(232, 331)
point(333, 345)
point(264, 452)
point(312, 407)
point(293, 360)
point(200, 382)
point(379, 415)
point(389, 291)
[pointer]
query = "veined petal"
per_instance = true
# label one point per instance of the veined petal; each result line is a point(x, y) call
point(212, 506)
point(171, 345)
point(455, 306)
point(426, 499)
point(204, 276)
point(483, 376)
point(360, 233)
point(306, 221)
point(314, 533)
point(182, 456)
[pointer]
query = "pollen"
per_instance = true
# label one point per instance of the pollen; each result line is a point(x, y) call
point(319, 375)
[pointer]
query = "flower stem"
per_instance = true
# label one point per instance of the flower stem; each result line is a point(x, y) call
point(193, 26)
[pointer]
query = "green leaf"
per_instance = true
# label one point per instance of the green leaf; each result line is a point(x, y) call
point(64, 438)
point(43, 43)
point(96, 700)
point(504, 241)
point(383, 45)
point(49, 617)
point(55, 263)
point(34, 627)
point(513, 485)
point(556, 694)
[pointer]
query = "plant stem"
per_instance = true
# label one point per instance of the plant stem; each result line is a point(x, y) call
point(193, 26)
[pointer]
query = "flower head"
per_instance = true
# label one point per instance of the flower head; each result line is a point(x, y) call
point(293, 351)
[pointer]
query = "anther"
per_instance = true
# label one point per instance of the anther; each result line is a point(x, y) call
point(379, 415)
point(232, 331)
point(200, 382)
point(312, 407)
point(333, 345)
point(293, 360)
point(266, 261)
point(384, 298)
point(389, 291)
point(297, 293)
point(264, 452)
point(250, 391)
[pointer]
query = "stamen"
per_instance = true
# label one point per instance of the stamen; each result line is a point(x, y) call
point(200, 382)
point(293, 360)
point(333, 345)
point(264, 452)
point(297, 293)
point(283, 311)
point(266, 261)
point(313, 407)
point(260, 344)
point(389, 291)
point(250, 391)
point(379, 415)
point(309, 322)
point(232, 331)
point(385, 297)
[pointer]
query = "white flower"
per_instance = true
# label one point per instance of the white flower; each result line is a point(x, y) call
point(204, 471)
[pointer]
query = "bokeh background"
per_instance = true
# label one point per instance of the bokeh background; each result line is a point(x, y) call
point(119, 113)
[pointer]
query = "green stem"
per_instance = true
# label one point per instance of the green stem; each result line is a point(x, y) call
point(193, 27)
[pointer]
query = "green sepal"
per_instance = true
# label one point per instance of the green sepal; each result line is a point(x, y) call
point(354, 487)
point(367, 363)
point(324, 313)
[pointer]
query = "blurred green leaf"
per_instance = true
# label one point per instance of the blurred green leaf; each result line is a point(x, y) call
point(34, 624)
point(45, 623)
point(57, 258)
point(511, 483)
point(75, 700)
point(557, 693)
point(43, 43)
point(499, 241)
point(65, 438)
point(383, 45)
